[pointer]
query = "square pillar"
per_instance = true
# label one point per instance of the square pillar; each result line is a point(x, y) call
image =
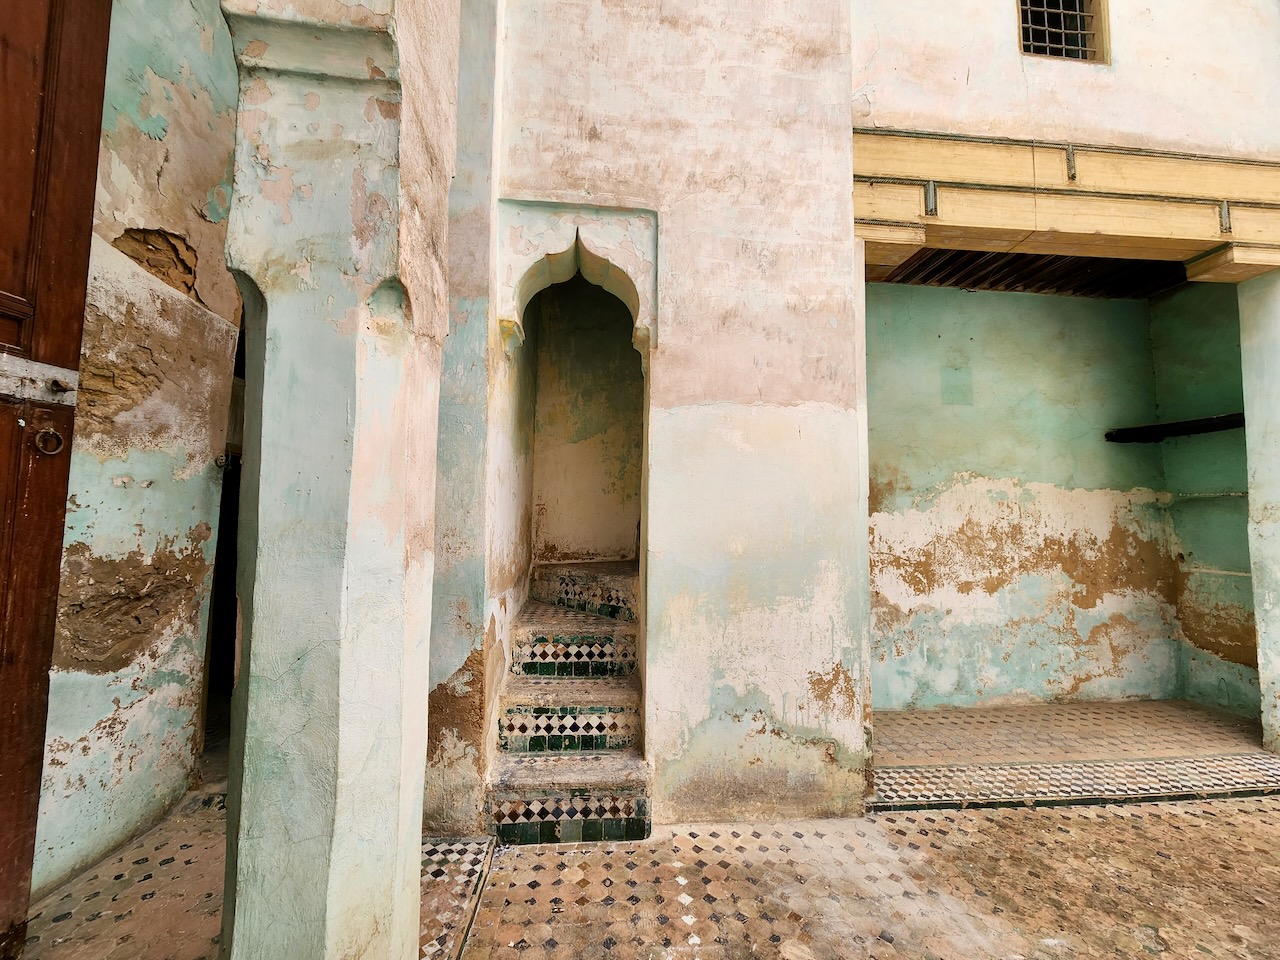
point(1260, 362)
point(342, 393)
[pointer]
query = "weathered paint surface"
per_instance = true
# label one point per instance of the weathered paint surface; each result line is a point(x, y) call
point(144, 490)
point(754, 644)
point(588, 427)
point(1260, 364)
point(466, 652)
point(1184, 75)
point(754, 701)
point(338, 222)
point(1014, 553)
point(164, 169)
point(1195, 337)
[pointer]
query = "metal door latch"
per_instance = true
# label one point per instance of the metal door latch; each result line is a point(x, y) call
point(49, 441)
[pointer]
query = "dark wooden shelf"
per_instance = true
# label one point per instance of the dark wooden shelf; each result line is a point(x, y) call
point(1155, 432)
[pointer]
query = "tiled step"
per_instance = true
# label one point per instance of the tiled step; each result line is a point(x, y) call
point(568, 714)
point(569, 798)
point(554, 641)
point(1077, 781)
point(605, 587)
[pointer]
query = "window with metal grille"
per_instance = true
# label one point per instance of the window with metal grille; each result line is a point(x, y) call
point(1072, 29)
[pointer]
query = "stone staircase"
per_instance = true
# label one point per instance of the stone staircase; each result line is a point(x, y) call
point(569, 765)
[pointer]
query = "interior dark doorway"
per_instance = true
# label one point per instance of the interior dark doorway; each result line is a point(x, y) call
point(224, 608)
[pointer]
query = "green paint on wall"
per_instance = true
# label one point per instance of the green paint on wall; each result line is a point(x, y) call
point(1028, 386)
point(997, 503)
point(196, 54)
point(1195, 340)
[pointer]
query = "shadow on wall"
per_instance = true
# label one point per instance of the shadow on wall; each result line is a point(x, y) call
point(588, 425)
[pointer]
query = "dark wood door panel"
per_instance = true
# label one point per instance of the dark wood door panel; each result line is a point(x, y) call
point(34, 484)
point(53, 61)
point(52, 67)
point(23, 63)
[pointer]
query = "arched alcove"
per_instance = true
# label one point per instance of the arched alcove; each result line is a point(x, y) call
point(542, 244)
point(587, 422)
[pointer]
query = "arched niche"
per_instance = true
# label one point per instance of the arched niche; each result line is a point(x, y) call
point(541, 244)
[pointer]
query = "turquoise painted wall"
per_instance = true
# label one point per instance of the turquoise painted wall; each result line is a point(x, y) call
point(1016, 555)
point(463, 640)
point(125, 691)
point(1195, 338)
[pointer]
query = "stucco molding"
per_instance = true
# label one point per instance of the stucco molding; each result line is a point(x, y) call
point(313, 38)
point(544, 243)
point(317, 153)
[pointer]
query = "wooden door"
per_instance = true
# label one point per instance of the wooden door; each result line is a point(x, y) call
point(52, 67)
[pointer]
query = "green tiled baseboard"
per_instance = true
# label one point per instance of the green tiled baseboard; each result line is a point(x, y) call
point(575, 831)
point(567, 728)
point(597, 668)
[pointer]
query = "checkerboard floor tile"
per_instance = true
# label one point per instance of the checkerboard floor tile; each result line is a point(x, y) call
point(1191, 879)
point(453, 873)
point(1060, 753)
point(160, 897)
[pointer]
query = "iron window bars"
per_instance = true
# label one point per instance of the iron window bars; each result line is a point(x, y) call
point(1070, 29)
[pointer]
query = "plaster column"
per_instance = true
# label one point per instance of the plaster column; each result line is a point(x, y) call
point(336, 540)
point(1260, 361)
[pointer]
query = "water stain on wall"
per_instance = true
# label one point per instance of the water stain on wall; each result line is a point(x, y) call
point(989, 554)
point(111, 609)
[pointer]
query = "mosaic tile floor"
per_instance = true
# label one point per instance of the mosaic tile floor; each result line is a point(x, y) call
point(160, 897)
point(1065, 753)
point(1196, 878)
point(453, 873)
point(1191, 879)
point(605, 587)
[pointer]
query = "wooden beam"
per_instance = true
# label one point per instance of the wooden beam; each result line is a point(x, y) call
point(888, 246)
point(1234, 263)
point(1057, 199)
point(956, 161)
point(894, 202)
point(1111, 171)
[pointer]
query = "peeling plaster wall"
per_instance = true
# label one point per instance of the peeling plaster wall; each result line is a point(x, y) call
point(137, 564)
point(731, 122)
point(1015, 555)
point(589, 424)
point(159, 338)
point(1195, 336)
point(1187, 75)
point(466, 653)
point(168, 128)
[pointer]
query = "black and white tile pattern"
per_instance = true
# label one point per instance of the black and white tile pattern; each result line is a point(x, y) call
point(538, 729)
point(1077, 781)
point(604, 588)
point(453, 874)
